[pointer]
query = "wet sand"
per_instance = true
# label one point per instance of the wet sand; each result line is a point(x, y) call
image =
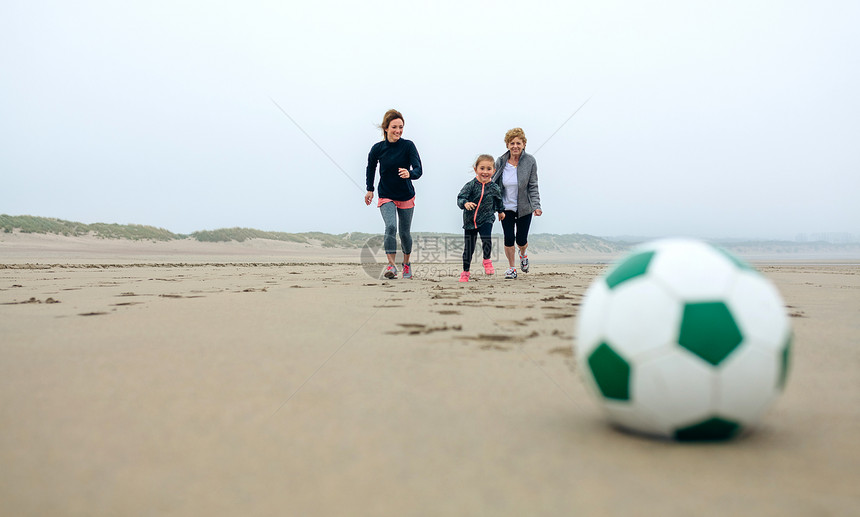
point(245, 380)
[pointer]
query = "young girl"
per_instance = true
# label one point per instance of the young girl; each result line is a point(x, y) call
point(479, 199)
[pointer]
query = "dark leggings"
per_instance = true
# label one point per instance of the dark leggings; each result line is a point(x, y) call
point(522, 228)
point(390, 215)
point(471, 238)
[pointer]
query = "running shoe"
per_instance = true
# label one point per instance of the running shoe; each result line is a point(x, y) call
point(488, 267)
point(524, 263)
point(390, 272)
point(407, 271)
point(464, 276)
point(511, 272)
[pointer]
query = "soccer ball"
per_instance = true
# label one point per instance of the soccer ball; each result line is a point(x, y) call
point(683, 340)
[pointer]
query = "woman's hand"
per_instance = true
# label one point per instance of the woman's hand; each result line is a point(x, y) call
point(468, 205)
point(538, 212)
point(368, 198)
point(403, 173)
point(501, 216)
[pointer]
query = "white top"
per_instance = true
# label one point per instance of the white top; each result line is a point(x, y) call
point(510, 186)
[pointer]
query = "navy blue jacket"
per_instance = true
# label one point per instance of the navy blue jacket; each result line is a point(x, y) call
point(391, 157)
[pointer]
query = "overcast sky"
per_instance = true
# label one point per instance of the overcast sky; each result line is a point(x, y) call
point(708, 119)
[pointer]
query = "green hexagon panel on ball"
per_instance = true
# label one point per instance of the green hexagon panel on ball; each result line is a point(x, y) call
point(611, 373)
point(709, 331)
point(682, 340)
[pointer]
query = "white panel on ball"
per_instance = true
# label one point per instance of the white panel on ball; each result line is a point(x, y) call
point(678, 386)
point(642, 318)
point(759, 310)
point(591, 320)
point(636, 418)
point(693, 270)
point(748, 383)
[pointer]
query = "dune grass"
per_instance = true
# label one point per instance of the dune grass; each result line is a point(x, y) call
point(448, 242)
point(32, 224)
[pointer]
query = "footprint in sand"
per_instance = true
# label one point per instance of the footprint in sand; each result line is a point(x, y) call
point(419, 328)
point(564, 351)
point(495, 347)
point(558, 316)
point(508, 323)
point(558, 297)
point(32, 300)
point(501, 338)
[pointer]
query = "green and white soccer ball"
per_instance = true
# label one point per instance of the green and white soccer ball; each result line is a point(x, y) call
point(681, 339)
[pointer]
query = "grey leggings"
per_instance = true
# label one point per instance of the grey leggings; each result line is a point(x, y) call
point(390, 214)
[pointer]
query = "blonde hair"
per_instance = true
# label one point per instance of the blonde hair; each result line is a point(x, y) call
point(484, 158)
point(516, 132)
point(390, 115)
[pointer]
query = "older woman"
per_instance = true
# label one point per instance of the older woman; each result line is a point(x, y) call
point(399, 164)
point(516, 173)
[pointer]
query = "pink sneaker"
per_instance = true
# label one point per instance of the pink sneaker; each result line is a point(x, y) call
point(464, 276)
point(488, 267)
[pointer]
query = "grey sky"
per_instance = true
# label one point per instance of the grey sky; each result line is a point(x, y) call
point(709, 119)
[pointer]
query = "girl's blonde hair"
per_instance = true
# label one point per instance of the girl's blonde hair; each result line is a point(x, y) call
point(390, 115)
point(484, 158)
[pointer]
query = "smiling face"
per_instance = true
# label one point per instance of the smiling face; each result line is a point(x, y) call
point(394, 130)
point(484, 171)
point(516, 146)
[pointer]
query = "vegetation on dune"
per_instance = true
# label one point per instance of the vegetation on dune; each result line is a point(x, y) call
point(47, 225)
point(132, 231)
point(325, 240)
point(243, 234)
point(429, 241)
point(31, 224)
point(356, 239)
point(574, 242)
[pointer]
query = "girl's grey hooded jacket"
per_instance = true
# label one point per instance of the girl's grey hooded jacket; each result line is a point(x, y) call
point(528, 197)
point(488, 197)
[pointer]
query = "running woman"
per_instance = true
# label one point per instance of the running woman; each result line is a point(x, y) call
point(516, 174)
point(399, 164)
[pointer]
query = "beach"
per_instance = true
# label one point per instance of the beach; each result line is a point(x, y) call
point(261, 378)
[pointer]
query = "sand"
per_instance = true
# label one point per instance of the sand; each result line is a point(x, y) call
point(252, 379)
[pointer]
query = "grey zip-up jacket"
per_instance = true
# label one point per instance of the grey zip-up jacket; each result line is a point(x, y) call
point(488, 197)
point(528, 197)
